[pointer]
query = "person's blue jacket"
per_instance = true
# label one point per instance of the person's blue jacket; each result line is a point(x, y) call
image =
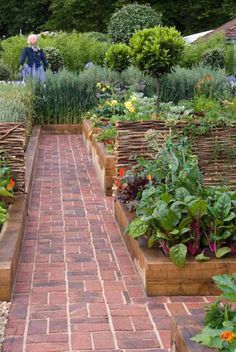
point(36, 57)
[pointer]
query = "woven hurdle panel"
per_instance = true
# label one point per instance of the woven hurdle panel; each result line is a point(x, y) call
point(216, 150)
point(12, 143)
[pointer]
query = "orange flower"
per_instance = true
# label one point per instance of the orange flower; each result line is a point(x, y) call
point(228, 336)
point(9, 187)
point(12, 182)
point(122, 172)
point(149, 177)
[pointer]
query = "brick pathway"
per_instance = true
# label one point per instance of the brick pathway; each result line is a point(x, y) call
point(76, 288)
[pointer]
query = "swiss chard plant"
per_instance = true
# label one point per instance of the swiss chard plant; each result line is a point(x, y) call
point(177, 213)
point(219, 330)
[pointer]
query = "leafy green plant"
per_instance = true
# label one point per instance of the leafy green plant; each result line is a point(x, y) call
point(215, 58)
point(156, 51)
point(4, 72)
point(54, 58)
point(220, 318)
point(129, 19)
point(179, 214)
point(118, 57)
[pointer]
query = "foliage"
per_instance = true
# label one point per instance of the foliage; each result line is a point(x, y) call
point(7, 185)
point(193, 52)
point(220, 318)
point(17, 104)
point(129, 19)
point(215, 58)
point(4, 72)
point(118, 57)
point(77, 49)
point(54, 58)
point(181, 83)
point(179, 214)
point(156, 51)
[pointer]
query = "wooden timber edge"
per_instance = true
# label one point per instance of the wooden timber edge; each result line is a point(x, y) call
point(10, 244)
point(182, 329)
point(62, 129)
point(104, 164)
point(160, 276)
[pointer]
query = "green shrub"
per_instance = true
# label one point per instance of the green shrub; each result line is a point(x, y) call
point(215, 58)
point(180, 84)
point(76, 48)
point(131, 18)
point(193, 52)
point(54, 58)
point(156, 51)
point(118, 57)
point(4, 72)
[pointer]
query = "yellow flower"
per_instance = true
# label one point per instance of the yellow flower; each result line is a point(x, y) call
point(114, 102)
point(129, 106)
point(99, 85)
point(133, 99)
point(103, 89)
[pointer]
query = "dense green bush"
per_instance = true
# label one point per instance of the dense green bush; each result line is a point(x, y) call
point(54, 58)
point(215, 58)
point(156, 50)
point(76, 48)
point(193, 52)
point(131, 18)
point(118, 57)
point(181, 83)
point(4, 72)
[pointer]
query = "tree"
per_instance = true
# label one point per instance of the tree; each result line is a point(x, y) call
point(130, 18)
point(118, 57)
point(22, 16)
point(80, 15)
point(156, 51)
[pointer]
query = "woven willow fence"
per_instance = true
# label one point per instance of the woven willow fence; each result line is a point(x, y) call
point(12, 144)
point(216, 150)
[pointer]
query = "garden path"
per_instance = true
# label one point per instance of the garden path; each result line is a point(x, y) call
point(76, 287)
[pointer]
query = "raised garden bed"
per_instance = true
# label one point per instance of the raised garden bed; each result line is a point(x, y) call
point(160, 276)
point(182, 329)
point(104, 164)
point(13, 230)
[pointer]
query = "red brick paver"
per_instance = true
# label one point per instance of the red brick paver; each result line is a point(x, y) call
point(76, 288)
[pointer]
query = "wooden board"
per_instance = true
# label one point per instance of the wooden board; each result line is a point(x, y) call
point(62, 129)
point(182, 329)
point(160, 276)
point(12, 237)
point(216, 150)
point(87, 132)
point(104, 164)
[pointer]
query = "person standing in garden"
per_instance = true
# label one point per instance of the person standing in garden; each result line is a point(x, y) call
point(36, 60)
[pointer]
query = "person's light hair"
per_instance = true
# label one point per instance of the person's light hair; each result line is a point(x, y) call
point(32, 38)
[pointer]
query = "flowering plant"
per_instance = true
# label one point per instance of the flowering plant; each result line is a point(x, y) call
point(220, 319)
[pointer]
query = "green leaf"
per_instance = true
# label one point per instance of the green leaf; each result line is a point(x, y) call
point(202, 258)
point(174, 162)
point(223, 206)
point(5, 193)
point(178, 254)
point(166, 218)
point(222, 251)
point(198, 207)
point(226, 283)
point(151, 241)
point(137, 228)
point(161, 235)
point(230, 217)
point(181, 193)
